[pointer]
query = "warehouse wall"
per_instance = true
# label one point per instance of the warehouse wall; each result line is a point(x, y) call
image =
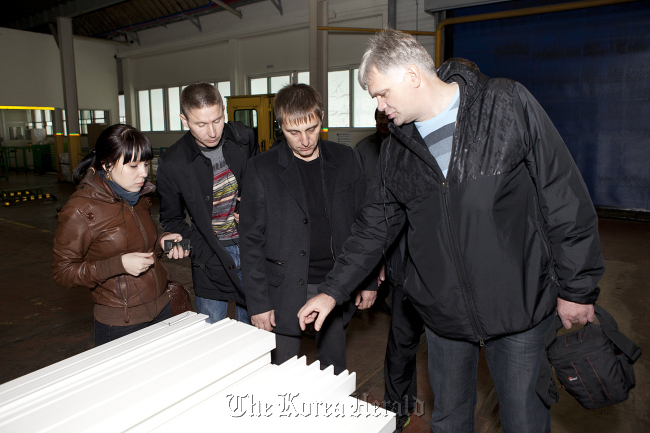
point(31, 72)
point(30, 69)
point(590, 70)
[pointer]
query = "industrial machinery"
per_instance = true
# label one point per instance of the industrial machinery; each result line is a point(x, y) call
point(256, 111)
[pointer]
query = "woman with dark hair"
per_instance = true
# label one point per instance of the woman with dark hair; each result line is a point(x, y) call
point(106, 240)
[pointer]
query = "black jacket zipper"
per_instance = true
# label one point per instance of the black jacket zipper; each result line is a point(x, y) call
point(459, 268)
point(469, 303)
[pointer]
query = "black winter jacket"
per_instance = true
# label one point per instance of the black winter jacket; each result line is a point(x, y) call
point(493, 245)
point(184, 180)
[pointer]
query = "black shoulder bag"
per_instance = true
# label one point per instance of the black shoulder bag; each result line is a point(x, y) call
point(594, 364)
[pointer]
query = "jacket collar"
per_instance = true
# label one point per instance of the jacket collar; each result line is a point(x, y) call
point(192, 150)
point(286, 156)
point(470, 80)
point(96, 187)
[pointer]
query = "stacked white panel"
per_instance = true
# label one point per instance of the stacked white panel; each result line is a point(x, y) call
point(179, 373)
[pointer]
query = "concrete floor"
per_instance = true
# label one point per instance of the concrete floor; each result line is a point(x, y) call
point(41, 323)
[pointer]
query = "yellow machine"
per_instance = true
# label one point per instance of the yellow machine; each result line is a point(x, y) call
point(256, 112)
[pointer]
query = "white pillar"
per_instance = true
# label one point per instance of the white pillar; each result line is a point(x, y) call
point(318, 50)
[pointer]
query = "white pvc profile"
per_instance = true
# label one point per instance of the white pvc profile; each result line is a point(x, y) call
point(183, 374)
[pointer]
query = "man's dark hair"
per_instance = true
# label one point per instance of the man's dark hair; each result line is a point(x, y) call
point(200, 95)
point(297, 103)
point(463, 61)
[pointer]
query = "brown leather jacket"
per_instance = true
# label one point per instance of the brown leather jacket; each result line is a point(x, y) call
point(95, 228)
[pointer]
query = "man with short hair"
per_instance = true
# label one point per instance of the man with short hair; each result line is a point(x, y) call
point(298, 204)
point(202, 175)
point(501, 230)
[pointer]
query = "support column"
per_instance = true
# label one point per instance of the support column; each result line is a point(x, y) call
point(58, 133)
point(129, 93)
point(318, 52)
point(237, 81)
point(392, 14)
point(66, 49)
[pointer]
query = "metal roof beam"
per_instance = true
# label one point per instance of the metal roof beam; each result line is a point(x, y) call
point(278, 4)
point(69, 9)
point(196, 22)
point(228, 8)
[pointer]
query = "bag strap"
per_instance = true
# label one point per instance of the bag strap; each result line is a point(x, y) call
point(610, 328)
point(245, 138)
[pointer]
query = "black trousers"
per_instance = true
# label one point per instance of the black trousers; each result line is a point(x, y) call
point(400, 372)
point(105, 333)
point(330, 341)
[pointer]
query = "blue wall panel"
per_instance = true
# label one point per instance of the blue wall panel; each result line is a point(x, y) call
point(590, 70)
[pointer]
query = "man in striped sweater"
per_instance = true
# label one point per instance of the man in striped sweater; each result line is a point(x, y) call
point(202, 175)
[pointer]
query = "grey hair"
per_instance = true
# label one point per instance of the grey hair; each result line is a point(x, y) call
point(390, 49)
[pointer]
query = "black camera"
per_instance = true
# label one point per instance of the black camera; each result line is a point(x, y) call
point(169, 244)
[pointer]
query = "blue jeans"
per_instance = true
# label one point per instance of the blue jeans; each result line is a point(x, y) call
point(218, 310)
point(514, 361)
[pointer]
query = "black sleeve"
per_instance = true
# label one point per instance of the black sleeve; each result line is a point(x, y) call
point(374, 230)
point(172, 205)
point(564, 201)
point(252, 241)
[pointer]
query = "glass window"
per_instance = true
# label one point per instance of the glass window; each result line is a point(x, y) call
point(224, 89)
point(338, 99)
point(157, 110)
point(122, 109)
point(84, 119)
point(143, 105)
point(259, 86)
point(49, 123)
point(247, 117)
point(303, 77)
point(183, 126)
point(99, 116)
point(174, 104)
point(279, 82)
point(364, 106)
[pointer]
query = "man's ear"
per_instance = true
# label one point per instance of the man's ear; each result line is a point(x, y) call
point(414, 75)
point(184, 121)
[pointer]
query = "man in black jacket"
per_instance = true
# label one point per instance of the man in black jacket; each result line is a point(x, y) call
point(202, 174)
point(501, 231)
point(298, 205)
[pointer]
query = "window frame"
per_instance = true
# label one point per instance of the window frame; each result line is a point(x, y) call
point(294, 80)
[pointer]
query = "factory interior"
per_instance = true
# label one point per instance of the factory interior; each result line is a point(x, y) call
point(70, 68)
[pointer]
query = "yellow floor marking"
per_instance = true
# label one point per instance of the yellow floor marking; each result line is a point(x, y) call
point(24, 225)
